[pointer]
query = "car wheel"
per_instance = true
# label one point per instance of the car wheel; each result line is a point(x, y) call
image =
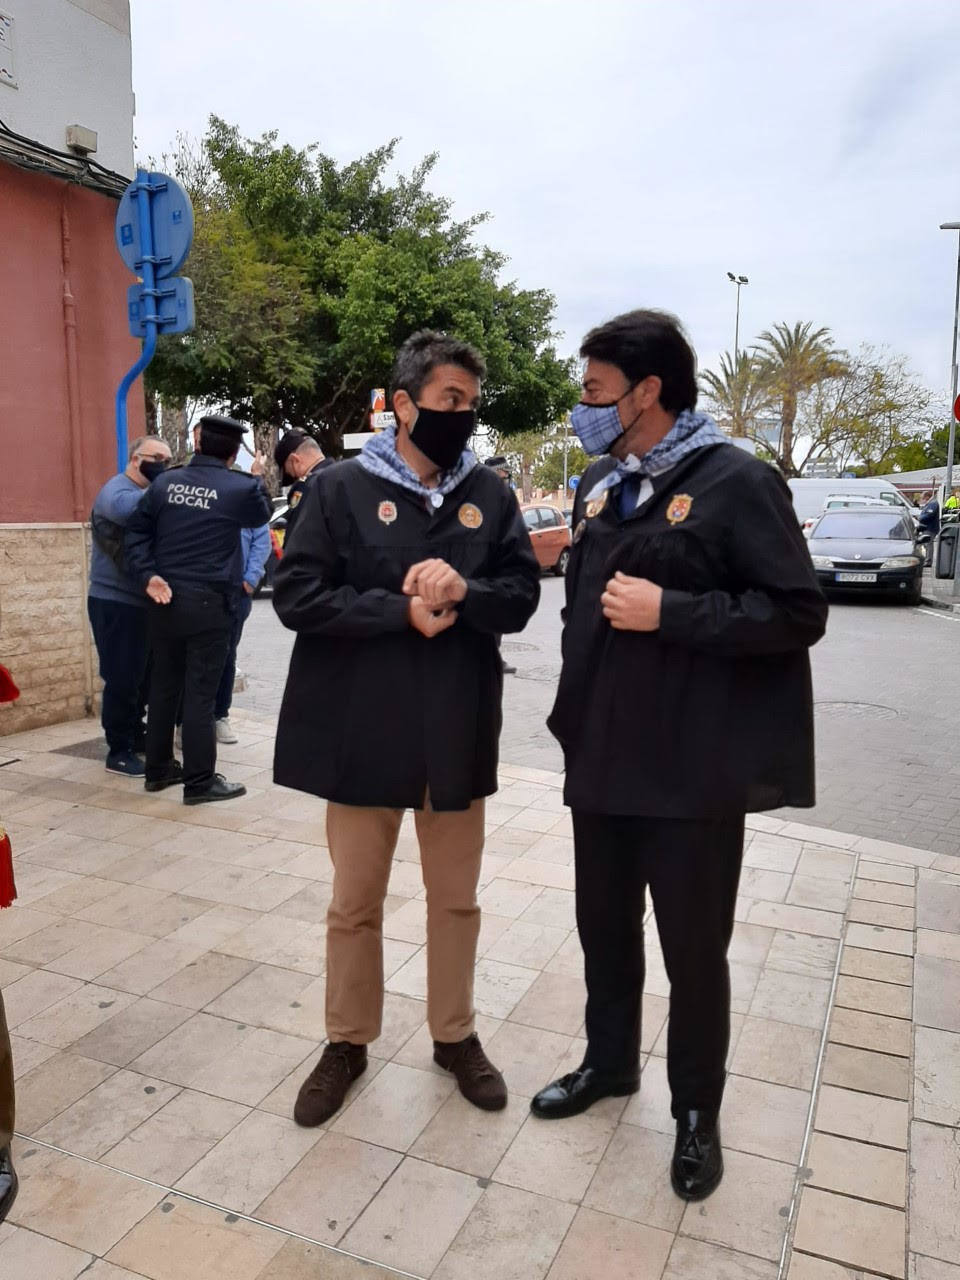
point(560, 568)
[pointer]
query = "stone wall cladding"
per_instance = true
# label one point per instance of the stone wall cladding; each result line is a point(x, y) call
point(44, 634)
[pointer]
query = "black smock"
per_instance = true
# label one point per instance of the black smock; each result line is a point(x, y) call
point(711, 716)
point(374, 713)
point(296, 494)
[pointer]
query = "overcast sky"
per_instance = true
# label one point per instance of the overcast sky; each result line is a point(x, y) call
point(630, 154)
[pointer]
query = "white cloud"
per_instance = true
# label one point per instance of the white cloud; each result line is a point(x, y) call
point(630, 153)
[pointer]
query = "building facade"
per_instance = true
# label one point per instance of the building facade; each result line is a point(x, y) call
point(66, 154)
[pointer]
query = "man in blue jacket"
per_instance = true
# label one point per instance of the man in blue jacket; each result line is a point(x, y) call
point(117, 607)
point(255, 546)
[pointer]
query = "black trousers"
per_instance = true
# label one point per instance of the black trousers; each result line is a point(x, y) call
point(692, 869)
point(120, 634)
point(189, 640)
point(224, 699)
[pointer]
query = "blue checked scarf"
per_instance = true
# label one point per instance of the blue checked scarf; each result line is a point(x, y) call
point(379, 456)
point(690, 432)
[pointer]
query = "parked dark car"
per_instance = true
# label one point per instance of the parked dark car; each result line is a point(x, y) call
point(867, 550)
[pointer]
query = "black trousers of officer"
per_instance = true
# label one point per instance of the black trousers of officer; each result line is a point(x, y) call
point(692, 869)
point(189, 640)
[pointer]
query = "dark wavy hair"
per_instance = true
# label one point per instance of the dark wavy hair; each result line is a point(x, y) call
point(648, 343)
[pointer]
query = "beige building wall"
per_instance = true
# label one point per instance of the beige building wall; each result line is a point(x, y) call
point(45, 638)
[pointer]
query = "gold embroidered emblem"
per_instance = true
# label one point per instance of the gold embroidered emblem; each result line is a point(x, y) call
point(470, 517)
point(596, 505)
point(387, 512)
point(679, 508)
point(295, 498)
point(579, 530)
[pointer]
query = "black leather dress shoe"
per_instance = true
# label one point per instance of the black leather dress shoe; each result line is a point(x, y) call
point(8, 1182)
point(573, 1093)
point(170, 775)
point(218, 789)
point(697, 1157)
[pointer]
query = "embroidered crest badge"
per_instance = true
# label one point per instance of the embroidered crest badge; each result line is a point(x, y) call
point(679, 508)
point(579, 531)
point(470, 517)
point(387, 512)
point(295, 498)
point(596, 505)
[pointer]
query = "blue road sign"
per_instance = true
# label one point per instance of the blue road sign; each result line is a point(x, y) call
point(573, 482)
point(173, 306)
point(154, 230)
point(171, 215)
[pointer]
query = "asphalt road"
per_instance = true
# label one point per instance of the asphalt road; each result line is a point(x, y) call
point(888, 712)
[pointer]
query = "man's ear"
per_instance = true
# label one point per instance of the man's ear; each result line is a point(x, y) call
point(650, 390)
point(403, 408)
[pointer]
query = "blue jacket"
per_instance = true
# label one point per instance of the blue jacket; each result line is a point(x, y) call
point(255, 544)
point(186, 526)
point(116, 501)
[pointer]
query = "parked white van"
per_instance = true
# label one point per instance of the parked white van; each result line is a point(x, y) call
point(810, 495)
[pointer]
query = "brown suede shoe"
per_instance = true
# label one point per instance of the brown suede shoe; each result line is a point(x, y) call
point(479, 1080)
point(322, 1093)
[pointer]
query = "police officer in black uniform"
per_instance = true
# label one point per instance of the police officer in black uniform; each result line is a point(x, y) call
point(300, 460)
point(684, 703)
point(183, 547)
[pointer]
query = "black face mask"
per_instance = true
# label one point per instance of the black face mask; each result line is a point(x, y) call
point(150, 469)
point(442, 434)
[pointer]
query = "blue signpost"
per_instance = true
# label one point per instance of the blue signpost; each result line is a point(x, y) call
point(154, 230)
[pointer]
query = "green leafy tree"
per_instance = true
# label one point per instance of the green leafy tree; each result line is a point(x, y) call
point(739, 393)
point(308, 276)
point(548, 474)
point(791, 362)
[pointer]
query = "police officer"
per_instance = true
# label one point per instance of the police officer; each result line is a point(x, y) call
point(684, 702)
point(300, 459)
point(183, 547)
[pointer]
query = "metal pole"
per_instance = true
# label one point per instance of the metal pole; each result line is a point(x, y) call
point(736, 333)
point(566, 428)
point(148, 273)
point(948, 486)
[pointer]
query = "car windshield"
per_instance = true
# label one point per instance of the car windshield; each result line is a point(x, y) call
point(888, 526)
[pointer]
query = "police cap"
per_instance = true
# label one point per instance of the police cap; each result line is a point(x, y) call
point(287, 444)
point(224, 426)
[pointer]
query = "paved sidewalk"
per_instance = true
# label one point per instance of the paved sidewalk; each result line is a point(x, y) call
point(163, 977)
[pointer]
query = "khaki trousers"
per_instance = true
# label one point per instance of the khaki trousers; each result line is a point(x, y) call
point(6, 1082)
point(362, 842)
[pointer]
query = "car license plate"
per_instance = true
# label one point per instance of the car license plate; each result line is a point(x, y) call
point(856, 577)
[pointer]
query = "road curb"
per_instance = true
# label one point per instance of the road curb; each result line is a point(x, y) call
point(933, 603)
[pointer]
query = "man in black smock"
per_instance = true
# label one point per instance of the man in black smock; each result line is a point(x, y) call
point(684, 703)
point(299, 458)
point(183, 547)
point(407, 563)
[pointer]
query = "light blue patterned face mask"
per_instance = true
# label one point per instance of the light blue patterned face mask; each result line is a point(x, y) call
point(596, 426)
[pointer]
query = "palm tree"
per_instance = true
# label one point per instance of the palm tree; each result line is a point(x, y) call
point(738, 394)
point(791, 361)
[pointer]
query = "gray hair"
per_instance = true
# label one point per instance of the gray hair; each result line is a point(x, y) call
point(140, 442)
point(425, 351)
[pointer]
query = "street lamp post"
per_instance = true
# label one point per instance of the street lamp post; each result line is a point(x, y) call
point(948, 487)
point(739, 281)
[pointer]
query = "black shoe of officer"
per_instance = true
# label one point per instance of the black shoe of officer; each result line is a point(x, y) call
point(217, 789)
point(8, 1182)
point(697, 1157)
point(573, 1093)
point(168, 775)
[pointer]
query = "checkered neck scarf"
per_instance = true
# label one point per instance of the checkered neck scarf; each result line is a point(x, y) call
point(690, 432)
point(379, 456)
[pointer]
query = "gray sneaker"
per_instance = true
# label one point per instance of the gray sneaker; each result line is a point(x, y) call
point(225, 733)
